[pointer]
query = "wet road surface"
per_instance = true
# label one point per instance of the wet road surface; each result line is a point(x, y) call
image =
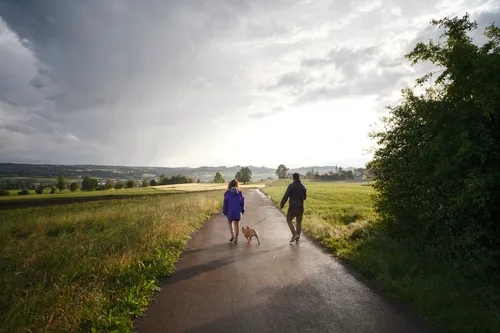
point(276, 286)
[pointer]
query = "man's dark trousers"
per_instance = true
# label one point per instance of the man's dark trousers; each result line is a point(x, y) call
point(295, 212)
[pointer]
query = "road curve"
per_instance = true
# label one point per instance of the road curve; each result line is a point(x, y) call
point(272, 287)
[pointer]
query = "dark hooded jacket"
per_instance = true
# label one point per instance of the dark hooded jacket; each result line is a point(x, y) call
point(234, 204)
point(296, 192)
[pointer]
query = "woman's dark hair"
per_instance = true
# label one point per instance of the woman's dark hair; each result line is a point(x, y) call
point(233, 183)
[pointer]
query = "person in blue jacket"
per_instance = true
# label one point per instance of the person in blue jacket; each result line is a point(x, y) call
point(233, 208)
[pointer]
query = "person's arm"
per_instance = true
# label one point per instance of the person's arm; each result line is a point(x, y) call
point(224, 205)
point(242, 200)
point(305, 192)
point(285, 196)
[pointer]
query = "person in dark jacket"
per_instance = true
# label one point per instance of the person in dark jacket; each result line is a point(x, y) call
point(233, 208)
point(296, 192)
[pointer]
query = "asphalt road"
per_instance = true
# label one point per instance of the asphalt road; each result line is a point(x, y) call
point(273, 287)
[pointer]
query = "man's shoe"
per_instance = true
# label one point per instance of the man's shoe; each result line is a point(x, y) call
point(232, 239)
point(235, 241)
point(294, 238)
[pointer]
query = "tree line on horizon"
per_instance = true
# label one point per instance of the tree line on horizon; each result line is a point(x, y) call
point(338, 173)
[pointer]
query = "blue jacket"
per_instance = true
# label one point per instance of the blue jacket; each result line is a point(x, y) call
point(234, 204)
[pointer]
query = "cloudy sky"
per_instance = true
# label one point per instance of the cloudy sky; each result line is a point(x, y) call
point(207, 82)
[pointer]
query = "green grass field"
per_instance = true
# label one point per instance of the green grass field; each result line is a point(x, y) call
point(336, 214)
point(93, 265)
point(339, 215)
point(89, 267)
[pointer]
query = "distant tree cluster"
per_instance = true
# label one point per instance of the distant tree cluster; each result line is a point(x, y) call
point(340, 174)
point(218, 178)
point(244, 175)
point(179, 179)
point(88, 183)
point(282, 171)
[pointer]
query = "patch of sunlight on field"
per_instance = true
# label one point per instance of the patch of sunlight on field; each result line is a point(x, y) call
point(197, 187)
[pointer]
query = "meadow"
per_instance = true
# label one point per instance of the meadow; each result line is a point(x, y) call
point(340, 216)
point(92, 267)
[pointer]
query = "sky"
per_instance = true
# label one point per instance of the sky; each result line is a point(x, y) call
point(193, 83)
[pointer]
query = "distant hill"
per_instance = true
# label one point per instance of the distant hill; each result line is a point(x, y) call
point(205, 173)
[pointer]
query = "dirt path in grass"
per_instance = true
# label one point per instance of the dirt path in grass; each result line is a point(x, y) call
point(273, 287)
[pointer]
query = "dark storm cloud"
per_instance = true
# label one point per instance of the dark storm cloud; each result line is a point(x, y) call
point(99, 68)
point(127, 81)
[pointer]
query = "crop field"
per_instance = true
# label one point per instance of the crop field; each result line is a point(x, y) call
point(161, 189)
point(196, 187)
point(89, 267)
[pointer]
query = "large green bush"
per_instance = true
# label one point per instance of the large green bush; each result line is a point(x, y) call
point(437, 166)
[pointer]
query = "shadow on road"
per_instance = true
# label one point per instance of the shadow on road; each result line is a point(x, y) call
point(236, 253)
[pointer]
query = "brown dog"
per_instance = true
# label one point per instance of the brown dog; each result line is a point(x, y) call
point(249, 233)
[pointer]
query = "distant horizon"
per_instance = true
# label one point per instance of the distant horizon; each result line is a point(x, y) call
point(344, 165)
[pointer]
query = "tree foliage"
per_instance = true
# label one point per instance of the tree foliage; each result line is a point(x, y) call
point(39, 189)
point(437, 167)
point(73, 187)
point(282, 171)
point(108, 185)
point(244, 175)
point(218, 178)
point(61, 183)
point(119, 185)
point(89, 184)
point(179, 179)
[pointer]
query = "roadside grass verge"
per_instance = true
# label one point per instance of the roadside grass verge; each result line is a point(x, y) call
point(457, 296)
point(92, 267)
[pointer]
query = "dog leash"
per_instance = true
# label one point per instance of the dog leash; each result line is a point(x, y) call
point(258, 222)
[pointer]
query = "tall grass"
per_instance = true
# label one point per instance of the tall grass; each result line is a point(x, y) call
point(93, 266)
point(456, 297)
